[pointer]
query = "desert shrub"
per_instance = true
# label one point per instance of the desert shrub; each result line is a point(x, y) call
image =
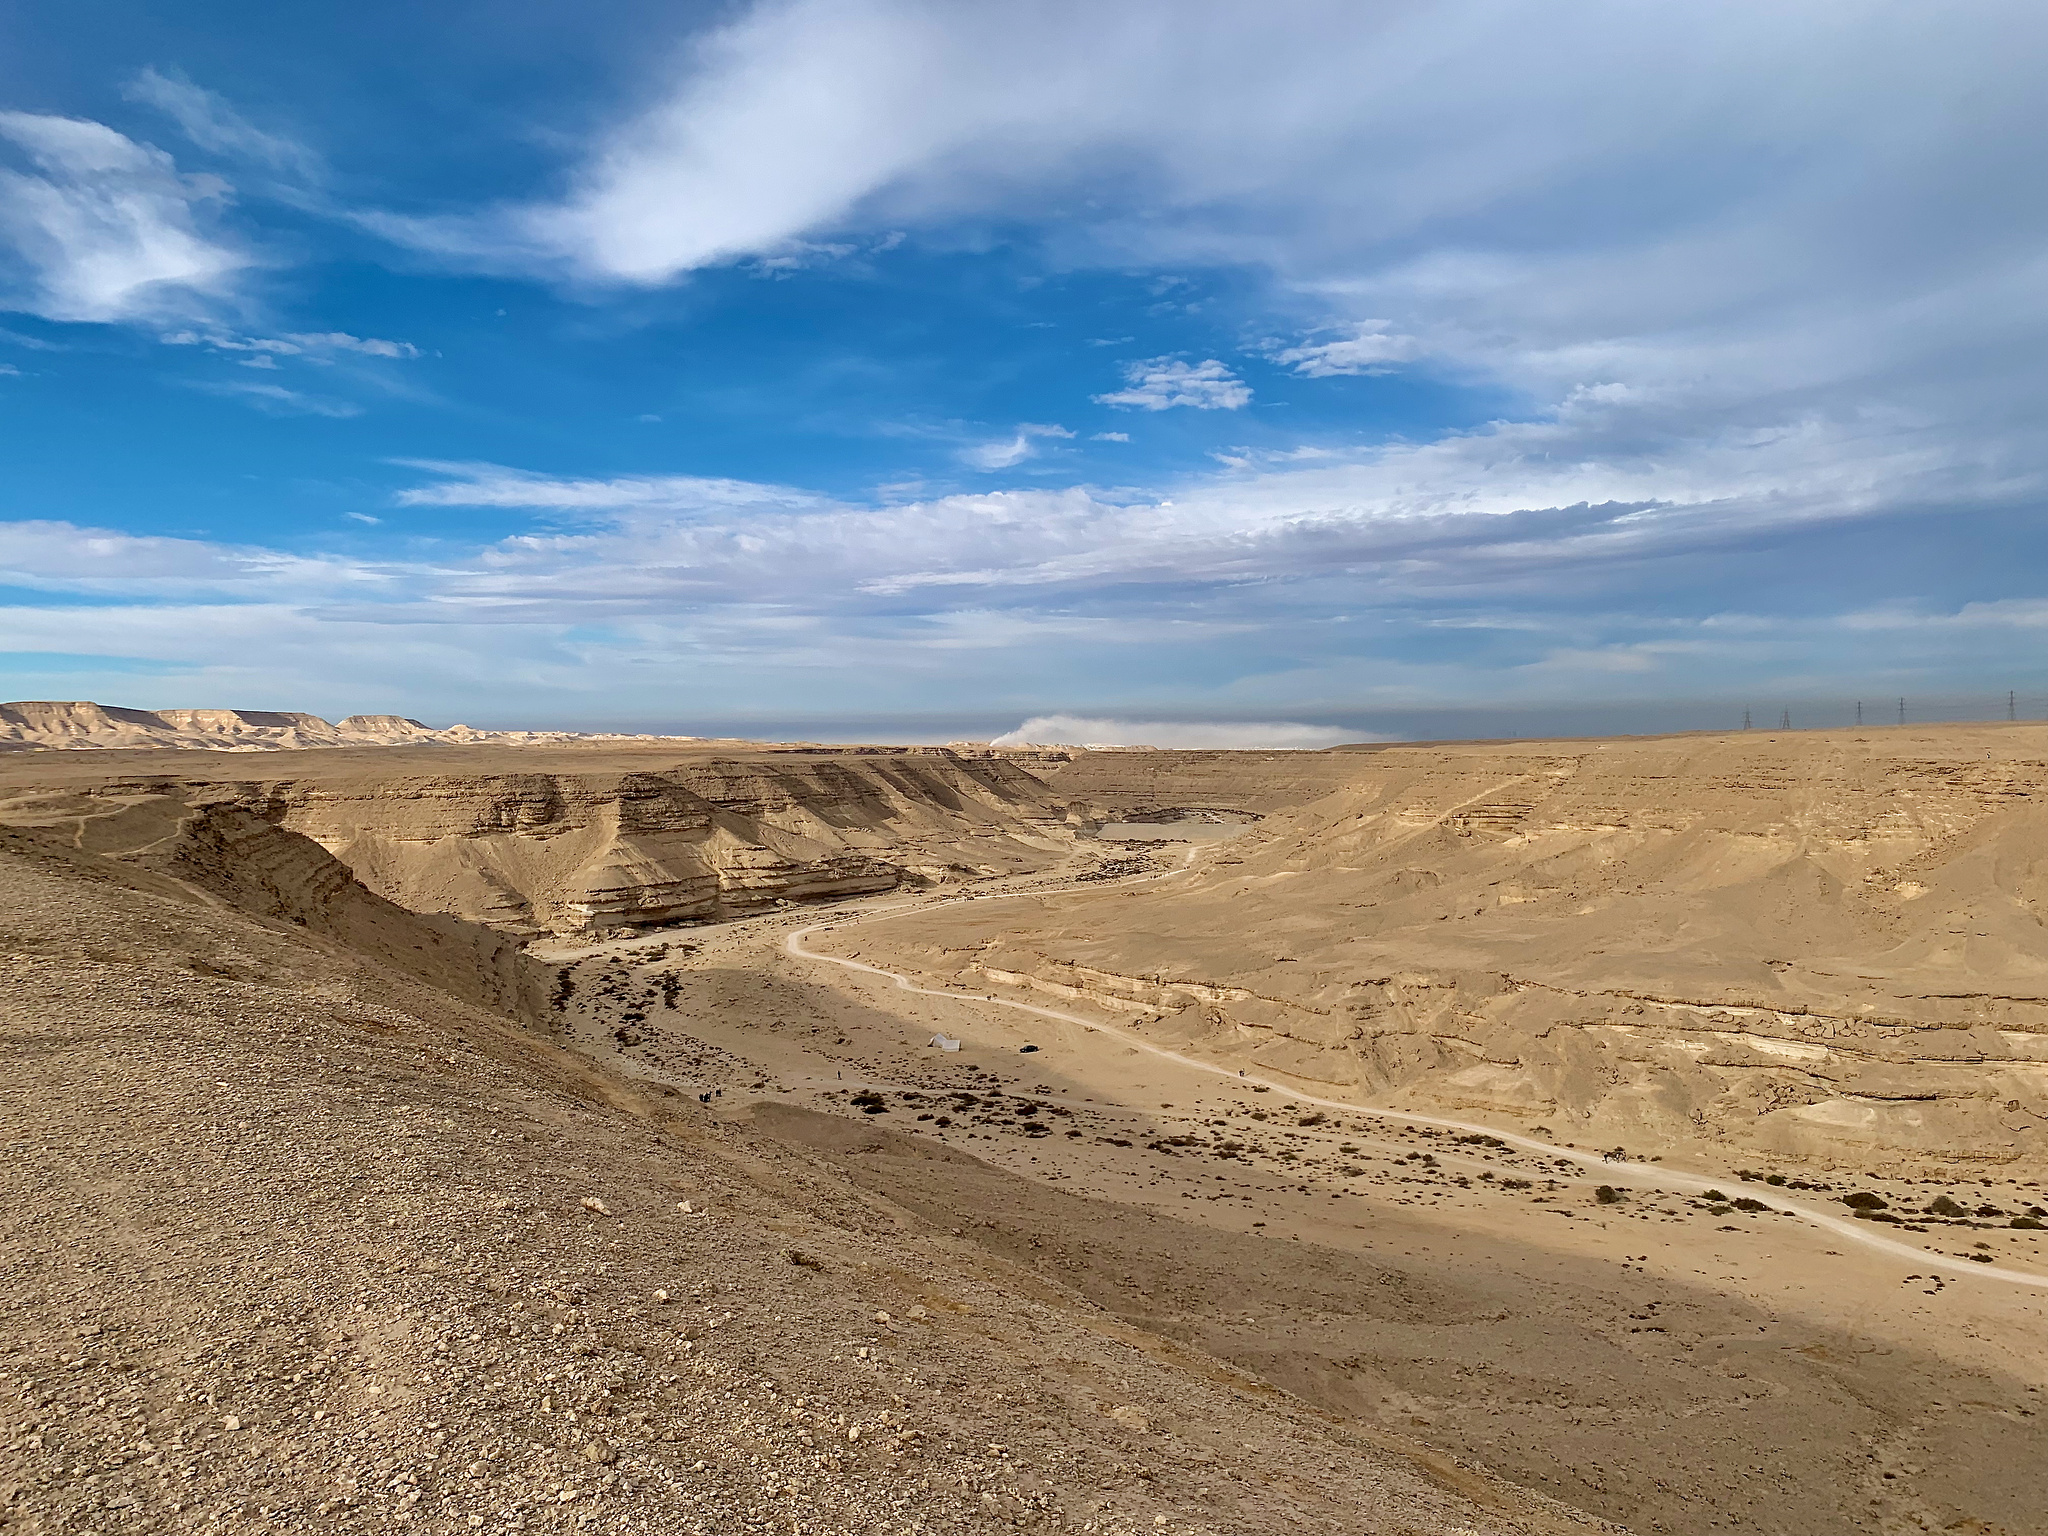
point(1941, 1205)
point(1864, 1200)
point(1607, 1194)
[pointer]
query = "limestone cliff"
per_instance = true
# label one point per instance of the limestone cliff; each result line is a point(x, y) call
point(563, 851)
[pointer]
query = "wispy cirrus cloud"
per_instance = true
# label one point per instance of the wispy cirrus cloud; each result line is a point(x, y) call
point(1008, 452)
point(210, 122)
point(314, 347)
point(97, 227)
point(278, 399)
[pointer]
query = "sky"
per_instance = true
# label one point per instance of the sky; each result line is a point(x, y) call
point(923, 368)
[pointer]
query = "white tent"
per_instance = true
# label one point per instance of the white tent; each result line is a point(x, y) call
point(945, 1042)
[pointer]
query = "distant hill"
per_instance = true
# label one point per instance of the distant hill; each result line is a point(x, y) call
point(80, 724)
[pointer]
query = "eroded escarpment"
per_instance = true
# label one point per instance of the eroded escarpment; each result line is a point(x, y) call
point(198, 843)
point(1828, 946)
point(597, 848)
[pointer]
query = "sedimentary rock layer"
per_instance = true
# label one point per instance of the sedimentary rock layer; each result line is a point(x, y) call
point(1826, 944)
point(600, 846)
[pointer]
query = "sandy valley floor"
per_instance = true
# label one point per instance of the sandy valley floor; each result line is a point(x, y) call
point(1664, 1359)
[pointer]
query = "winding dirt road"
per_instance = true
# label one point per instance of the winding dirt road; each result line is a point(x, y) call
point(1638, 1175)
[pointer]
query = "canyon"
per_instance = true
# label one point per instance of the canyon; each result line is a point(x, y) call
point(1422, 1137)
point(593, 838)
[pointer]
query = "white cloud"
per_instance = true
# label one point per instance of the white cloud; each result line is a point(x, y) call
point(1370, 348)
point(54, 556)
point(277, 399)
point(101, 228)
point(1164, 382)
point(314, 346)
point(1668, 201)
point(1087, 731)
point(1727, 275)
point(493, 485)
point(1510, 508)
point(341, 341)
point(1004, 453)
point(209, 122)
point(1109, 437)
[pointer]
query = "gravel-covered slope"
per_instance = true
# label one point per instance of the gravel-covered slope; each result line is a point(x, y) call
point(290, 1240)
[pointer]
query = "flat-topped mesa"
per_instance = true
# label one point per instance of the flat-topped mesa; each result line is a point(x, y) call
point(83, 725)
point(77, 722)
point(401, 727)
point(227, 720)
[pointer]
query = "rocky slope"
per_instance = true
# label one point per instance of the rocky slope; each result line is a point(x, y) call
point(1141, 785)
point(587, 843)
point(292, 1240)
point(1826, 945)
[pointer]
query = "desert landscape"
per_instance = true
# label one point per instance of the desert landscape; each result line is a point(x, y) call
point(653, 1134)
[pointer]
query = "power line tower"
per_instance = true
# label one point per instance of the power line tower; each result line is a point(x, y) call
point(2012, 703)
point(1902, 711)
point(1745, 719)
point(1785, 721)
point(1859, 711)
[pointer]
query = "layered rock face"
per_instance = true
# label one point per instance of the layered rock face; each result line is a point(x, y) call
point(573, 852)
point(1828, 944)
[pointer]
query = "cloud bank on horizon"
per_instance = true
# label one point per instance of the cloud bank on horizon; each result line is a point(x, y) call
point(1163, 360)
point(1081, 731)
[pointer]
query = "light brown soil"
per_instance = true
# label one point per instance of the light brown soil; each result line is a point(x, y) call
point(1826, 948)
point(293, 1240)
point(1670, 1363)
point(246, 1097)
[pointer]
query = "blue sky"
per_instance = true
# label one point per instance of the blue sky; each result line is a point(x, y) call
point(898, 368)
